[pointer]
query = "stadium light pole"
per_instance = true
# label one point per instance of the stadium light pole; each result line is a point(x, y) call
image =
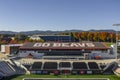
point(116, 25)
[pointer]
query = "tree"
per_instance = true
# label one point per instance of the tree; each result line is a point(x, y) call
point(111, 37)
point(103, 36)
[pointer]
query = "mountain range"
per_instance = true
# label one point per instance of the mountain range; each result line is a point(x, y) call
point(52, 32)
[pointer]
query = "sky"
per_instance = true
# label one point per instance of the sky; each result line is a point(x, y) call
point(57, 15)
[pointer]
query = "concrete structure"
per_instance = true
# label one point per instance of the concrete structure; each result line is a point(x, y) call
point(10, 48)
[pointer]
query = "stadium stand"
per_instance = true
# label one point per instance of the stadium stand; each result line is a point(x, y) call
point(27, 66)
point(65, 67)
point(94, 68)
point(64, 64)
point(50, 66)
point(79, 66)
point(36, 66)
point(109, 68)
point(6, 68)
point(93, 65)
point(1, 77)
point(11, 67)
point(20, 69)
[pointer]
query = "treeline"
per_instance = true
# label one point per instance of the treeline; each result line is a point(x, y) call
point(15, 39)
point(94, 36)
point(78, 36)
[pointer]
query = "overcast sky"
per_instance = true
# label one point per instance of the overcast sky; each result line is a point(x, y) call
point(27, 15)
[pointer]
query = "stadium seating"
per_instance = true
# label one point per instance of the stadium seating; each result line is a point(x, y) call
point(36, 66)
point(1, 77)
point(50, 66)
point(64, 64)
point(27, 66)
point(19, 69)
point(6, 69)
point(79, 68)
point(65, 67)
point(79, 65)
point(93, 65)
point(109, 68)
point(62, 67)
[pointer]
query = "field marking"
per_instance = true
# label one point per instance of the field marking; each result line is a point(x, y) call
point(66, 79)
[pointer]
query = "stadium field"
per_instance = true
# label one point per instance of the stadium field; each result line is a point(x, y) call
point(110, 77)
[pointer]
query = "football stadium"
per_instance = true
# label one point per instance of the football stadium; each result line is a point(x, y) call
point(61, 61)
point(59, 39)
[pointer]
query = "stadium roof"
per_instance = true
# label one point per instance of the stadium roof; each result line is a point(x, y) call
point(66, 45)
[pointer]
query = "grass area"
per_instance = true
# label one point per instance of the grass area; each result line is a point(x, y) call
point(111, 77)
point(108, 43)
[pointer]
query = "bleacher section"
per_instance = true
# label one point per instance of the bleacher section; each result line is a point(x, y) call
point(64, 65)
point(68, 67)
point(93, 65)
point(93, 68)
point(36, 66)
point(20, 69)
point(50, 66)
point(79, 66)
point(8, 69)
point(27, 66)
point(109, 68)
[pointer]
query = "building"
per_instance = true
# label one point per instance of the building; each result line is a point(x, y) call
point(62, 50)
point(10, 48)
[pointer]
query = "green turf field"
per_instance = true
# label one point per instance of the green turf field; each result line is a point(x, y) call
point(111, 77)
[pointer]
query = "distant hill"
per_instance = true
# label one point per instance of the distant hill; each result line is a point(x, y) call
point(51, 32)
point(92, 30)
point(8, 32)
